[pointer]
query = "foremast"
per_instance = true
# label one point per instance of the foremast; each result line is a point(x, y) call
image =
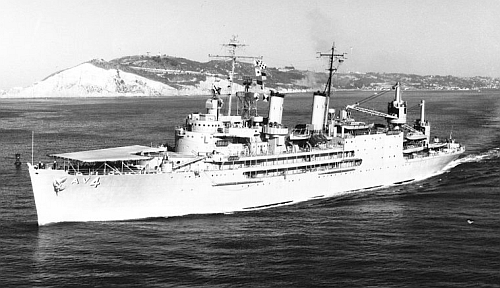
point(232, 46)
point(244, 133)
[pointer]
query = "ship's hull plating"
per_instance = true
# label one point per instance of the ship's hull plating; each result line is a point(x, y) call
point(60, 197)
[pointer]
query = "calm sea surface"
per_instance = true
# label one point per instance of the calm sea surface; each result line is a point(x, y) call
point(414, 235)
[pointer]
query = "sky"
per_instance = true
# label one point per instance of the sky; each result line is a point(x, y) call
point(425, 37)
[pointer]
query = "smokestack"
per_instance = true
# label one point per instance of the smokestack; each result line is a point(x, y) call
point(276, 107)
point(318, 110)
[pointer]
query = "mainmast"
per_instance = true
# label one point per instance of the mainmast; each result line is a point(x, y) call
point(232, 46)
point(328, 87)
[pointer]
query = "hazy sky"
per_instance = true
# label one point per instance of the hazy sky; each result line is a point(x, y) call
point(445, 37)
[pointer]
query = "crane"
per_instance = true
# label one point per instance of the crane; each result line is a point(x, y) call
point(397, 110)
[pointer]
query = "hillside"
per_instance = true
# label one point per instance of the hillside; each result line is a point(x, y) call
point(376, 81)
point(142, 75)
point(181, 72)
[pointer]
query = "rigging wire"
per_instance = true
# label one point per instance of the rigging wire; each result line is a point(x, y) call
point(380, 94)
point(369, 98)
point(414, 106)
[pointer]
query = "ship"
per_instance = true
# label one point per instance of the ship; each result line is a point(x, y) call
point(225, 163)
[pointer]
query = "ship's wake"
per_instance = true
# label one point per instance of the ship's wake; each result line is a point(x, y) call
point(471, 158)
point(493, 153)
point(475, 158)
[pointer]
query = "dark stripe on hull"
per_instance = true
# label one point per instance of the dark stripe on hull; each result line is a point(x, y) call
point(402, 182)
point(268, 205)
point(237, 183)
point(373, 187)
point(339, 171)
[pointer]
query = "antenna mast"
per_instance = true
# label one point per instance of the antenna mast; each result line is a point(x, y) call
point(32, 147)
point(232, 45)
point(333, 58)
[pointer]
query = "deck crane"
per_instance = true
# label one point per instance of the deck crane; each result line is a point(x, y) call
point(396, 114)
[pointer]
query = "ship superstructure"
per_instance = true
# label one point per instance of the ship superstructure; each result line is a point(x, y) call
point(224, 163)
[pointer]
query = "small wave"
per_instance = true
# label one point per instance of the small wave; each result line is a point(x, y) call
point(490, 154)
point(472, 158)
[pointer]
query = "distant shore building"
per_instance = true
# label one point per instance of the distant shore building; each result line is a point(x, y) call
point(286, 68)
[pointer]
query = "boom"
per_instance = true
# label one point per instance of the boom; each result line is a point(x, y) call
point(370, 111)
point(396, 112)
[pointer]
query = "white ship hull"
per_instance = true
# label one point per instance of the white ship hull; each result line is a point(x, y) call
point(137, 196)
point(227, 163)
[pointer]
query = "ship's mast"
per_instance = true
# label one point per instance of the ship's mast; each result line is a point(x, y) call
point(328, 88)
point(232, 46)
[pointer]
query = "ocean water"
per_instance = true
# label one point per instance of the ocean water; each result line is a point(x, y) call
point(414, 235)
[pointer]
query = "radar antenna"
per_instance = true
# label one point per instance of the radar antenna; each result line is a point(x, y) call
point(232, 46)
